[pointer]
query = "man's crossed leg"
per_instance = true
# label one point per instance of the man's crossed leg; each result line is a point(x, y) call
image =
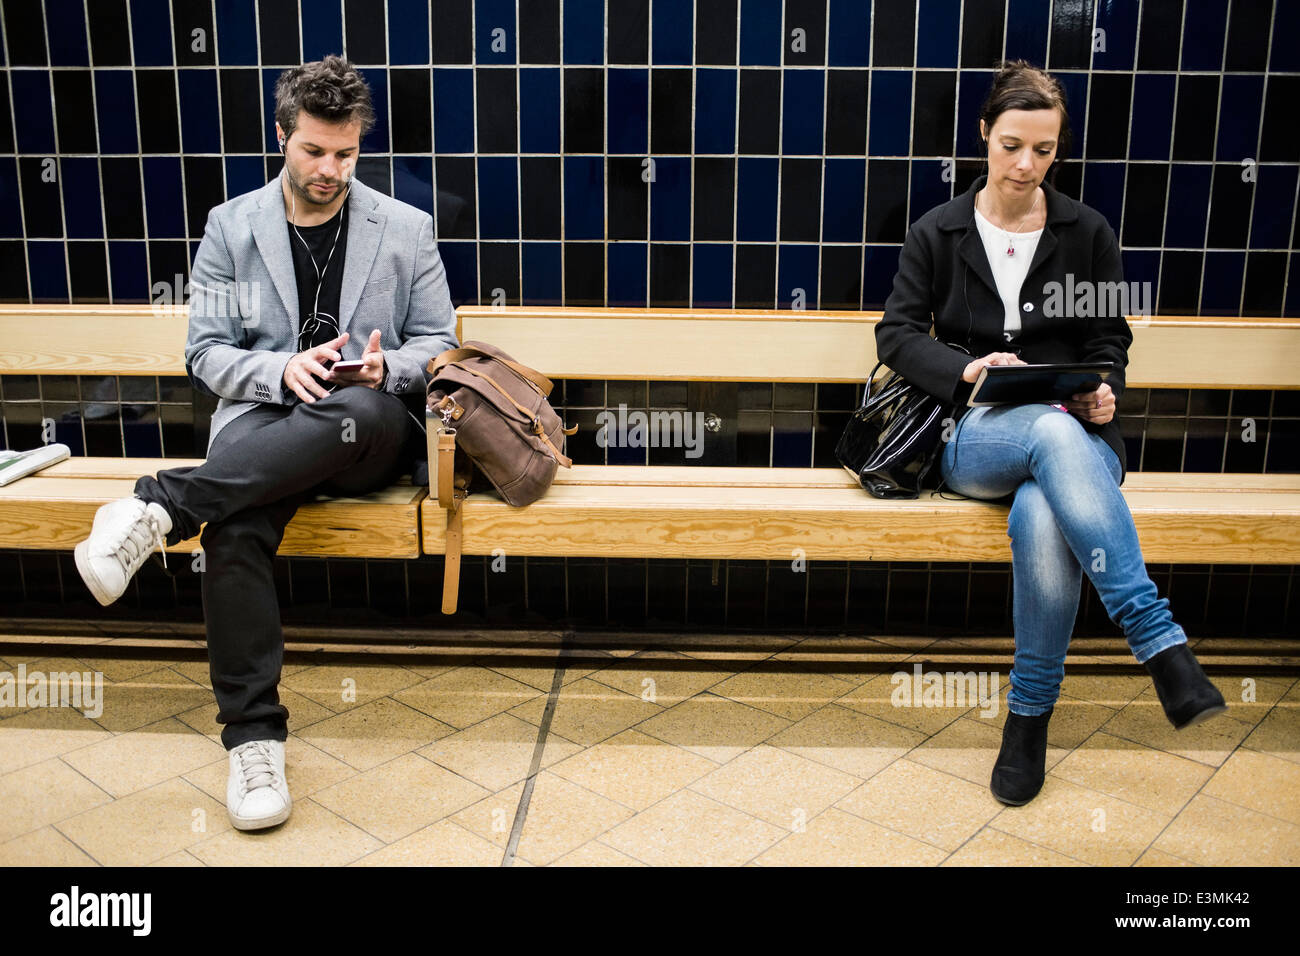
point(260, 468)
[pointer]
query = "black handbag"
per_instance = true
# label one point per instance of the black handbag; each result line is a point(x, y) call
point(893, 440)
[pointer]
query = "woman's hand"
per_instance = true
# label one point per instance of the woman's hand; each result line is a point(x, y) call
point(1097, 407)
point(993, 358)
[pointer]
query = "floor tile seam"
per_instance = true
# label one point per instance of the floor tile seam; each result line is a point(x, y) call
point(703, 796)
point(67, 836)
point(535, 763)
point(893, 829)
point(507, 710)
point(765, 713)
point(637, 812)
point(1213, 766)
point(551, 735)
point(904, 726)
point(111, 797)
point(628, 806)
point(409, 753)
point(297, 807)
point(989, 826)
point(415, 710)
point(1149, 845)
point(1171, 823)
point(596, 679)
point(720, 763)
point(834, 806)
point(959, 848)
point(852, 773)
point(180, 775)
point(199, 790)
point(1242, 806)
point(691, 787)
point(446, 819)
point(793, 720)
point(1114, 796)
point(1174, 819)
point(992, 825)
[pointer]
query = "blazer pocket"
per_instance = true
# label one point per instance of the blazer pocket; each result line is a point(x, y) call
point(379, 286)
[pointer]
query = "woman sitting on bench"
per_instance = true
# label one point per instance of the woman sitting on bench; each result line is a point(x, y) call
point(981, 269)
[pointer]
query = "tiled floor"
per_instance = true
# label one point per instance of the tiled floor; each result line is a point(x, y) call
point(768, 751)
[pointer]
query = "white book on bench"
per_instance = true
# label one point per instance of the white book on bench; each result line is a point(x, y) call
point(19, 464)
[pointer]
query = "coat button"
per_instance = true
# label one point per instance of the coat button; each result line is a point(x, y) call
point(1029, 307)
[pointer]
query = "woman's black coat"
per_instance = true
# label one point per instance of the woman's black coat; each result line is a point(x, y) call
point(944, 280)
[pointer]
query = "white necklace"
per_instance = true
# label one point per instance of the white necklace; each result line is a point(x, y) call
point(1011, 249)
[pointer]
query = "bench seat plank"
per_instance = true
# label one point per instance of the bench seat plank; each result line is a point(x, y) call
point(839, 478)
point(760, 513)
point(53, 510)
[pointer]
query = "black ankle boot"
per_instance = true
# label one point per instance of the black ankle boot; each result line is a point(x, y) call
point(1185, 692)
point(1018, 773)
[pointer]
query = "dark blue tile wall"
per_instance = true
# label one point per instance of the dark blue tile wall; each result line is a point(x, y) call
point(801, 135)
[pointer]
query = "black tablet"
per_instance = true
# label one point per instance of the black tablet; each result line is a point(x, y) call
point(1023, 384)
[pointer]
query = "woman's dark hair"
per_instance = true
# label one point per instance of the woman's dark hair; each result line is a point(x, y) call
point(330, 89)
point(1019, 85)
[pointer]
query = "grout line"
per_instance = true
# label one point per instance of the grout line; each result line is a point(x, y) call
point(521, 812)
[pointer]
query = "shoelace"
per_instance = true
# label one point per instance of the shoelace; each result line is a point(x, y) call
point(256, 767)
point(145, 535)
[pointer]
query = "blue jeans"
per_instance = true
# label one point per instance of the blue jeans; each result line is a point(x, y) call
point(1067, 517)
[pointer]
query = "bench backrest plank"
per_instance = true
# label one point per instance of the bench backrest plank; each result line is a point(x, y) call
point(806, 346)
point(111, 340)
point(776, 345)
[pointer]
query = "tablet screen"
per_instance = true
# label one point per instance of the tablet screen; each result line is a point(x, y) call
point(1023, 384)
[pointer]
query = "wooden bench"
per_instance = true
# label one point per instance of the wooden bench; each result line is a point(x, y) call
point(820, 513)
point(684, 511)
point(53, 510)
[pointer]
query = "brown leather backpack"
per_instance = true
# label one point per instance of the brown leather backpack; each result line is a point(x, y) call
point(488, 412)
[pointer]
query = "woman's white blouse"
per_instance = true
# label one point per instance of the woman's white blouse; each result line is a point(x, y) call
point(1008, 271)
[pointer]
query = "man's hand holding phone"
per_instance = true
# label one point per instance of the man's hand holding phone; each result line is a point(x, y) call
point(304, 369)
point(367, 371)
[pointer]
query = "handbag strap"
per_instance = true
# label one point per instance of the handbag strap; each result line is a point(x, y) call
point(871, 377)
point(534, 420)
point(456, 355)
point(451, 554)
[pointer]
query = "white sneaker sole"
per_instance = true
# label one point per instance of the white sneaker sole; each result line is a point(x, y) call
point(87, 572)
point(259, 823)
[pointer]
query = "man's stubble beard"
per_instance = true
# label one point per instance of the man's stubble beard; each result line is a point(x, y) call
point(303, 194)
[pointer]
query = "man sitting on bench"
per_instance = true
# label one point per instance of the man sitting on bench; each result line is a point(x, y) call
point(311, 269)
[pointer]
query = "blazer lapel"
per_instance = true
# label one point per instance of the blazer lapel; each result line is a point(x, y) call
point(365, 228)
point(959, 215)
point(271, 233)
point(971, 250)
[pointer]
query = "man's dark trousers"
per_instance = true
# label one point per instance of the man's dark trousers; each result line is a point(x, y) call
point(260, 468)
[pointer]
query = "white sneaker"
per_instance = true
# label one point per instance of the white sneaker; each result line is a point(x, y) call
point(257, 795)
point(124, 534)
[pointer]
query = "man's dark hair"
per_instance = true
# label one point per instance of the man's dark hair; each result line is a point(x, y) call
point(330, 89)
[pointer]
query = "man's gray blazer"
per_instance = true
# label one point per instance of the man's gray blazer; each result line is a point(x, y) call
point(244, 315)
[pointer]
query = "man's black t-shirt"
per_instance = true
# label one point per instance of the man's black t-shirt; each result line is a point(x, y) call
point(319, 239)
